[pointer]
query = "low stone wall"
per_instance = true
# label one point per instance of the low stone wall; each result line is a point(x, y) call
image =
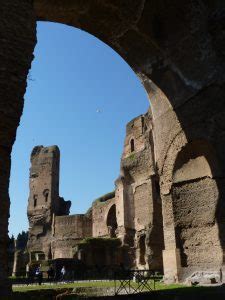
point(76, 226)
point(68, 232)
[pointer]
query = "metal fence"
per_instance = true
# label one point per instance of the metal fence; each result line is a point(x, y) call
point(134, 281)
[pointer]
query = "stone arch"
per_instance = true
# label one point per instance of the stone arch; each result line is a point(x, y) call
point(76, 14)
point(195, 193)
point(192, 198)
point(196, 160)
point(154, 57)
point(153, 41)
point(197, 132)
point(111, 221)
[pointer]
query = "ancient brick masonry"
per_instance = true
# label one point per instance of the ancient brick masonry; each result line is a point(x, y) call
point(132, 213)
point(44, 201)
point(138, 198)
point(176, 49)
point(52, 233)
point(17, 40)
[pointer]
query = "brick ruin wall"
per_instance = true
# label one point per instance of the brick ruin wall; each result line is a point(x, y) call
point(132, 213)
point(100, 212)
point(44, 183)
point(44, 202)
point(68, 231)
point(194, 217)
point(137, 197)
point(185, 84)
point(195, 203)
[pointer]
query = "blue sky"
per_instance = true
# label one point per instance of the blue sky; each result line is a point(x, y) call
point(73, 76)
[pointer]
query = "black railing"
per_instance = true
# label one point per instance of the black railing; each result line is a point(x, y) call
point(125, 281)
point(134, 281)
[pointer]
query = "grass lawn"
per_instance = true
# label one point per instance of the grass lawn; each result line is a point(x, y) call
point(162, 291)
point(159, 286)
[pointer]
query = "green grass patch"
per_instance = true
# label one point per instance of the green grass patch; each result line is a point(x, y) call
point(159, 286)
point(63, 286)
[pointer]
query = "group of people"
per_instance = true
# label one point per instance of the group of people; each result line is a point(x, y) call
point(37, 274)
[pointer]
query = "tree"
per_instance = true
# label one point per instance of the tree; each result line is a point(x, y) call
point(22, 239)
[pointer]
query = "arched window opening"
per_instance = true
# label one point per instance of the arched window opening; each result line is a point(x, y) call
point(46, 194)
point(35, 200)
point(50, 253)
point(46, 197)
point(157, 187)
point(142, 124)
point(132, 145)
point(142, 249)
point(196, 167)
point(111, 221)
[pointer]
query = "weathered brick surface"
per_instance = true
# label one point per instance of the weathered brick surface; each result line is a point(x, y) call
point(100, 212)
point(44, 202)
point(17, 40)
point(68, 232)
point(177, 45)
point(137, 199)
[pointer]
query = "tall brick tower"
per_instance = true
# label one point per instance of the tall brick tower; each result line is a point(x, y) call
point(44, 202)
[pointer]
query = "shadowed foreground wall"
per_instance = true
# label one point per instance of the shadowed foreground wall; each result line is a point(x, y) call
point(178, 45)
point(17, 39)
point(196, 195)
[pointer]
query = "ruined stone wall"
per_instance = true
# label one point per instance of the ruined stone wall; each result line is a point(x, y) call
point(44, 201)
point(68, 231)
point(77, 225)
point(176, 50)
point(100, 212)
point(143, 209)
point(137, 167)
point(135, 131)
point(194, 206)
point(17, 39)
point(44, 178)
point(101, 253)
point(196, 197)
point(194, 213)
point(132, 213)
point(44, 189)
point(137, 199)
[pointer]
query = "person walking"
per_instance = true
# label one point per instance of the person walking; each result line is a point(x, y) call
point(39, 275)
point(63, 273)
point(50, 273)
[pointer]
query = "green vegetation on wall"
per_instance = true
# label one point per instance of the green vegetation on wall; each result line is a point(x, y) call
point(105, 197)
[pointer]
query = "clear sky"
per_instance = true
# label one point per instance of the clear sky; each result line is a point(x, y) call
point(80, 96)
